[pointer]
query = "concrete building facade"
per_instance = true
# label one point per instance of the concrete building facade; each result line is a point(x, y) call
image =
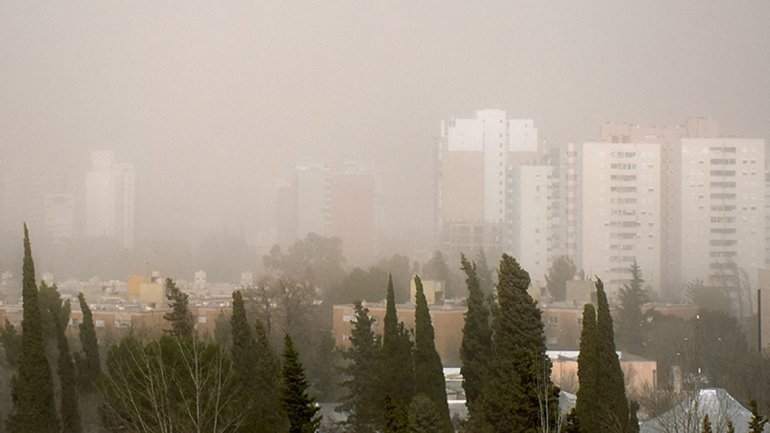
point(110, 199)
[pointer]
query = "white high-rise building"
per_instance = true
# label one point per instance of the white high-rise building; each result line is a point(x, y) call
point(620, 212)
point(722, 210)
point(110, 199)
point(473, 159)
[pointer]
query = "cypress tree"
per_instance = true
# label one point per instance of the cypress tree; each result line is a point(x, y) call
point(424, 416)
point(428, 370)
point(730, 427)
point(70, 413)
point(519, 395)
point(633, 420)
point(299, 406)
point(397, 364)
point(483, 272)
point(757, 422)
point(612, 392)
point(33, 408)
point(396, 417)
point(180, 317)
point(11, 343)
point(89, 367)
point(362, 402)
point(706, 426)
point(255, 370)
point(587, 406)
point(630, 320)
point(476, 344)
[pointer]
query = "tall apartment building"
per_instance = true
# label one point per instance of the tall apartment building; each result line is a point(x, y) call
point(473, 159)
point(723, 209)
point(620, 213)
point(110, 199)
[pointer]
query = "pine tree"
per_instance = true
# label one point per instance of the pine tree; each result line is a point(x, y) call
point(90, 366)
point(33, 409)
point(362, 402)
point(70, 413)
point(630, 321)
point(519, 395)
point(396, 417)
point(11, 343)
point(397, 364)
point(428, 370)
point(180, 317)
point(706, 424)
point(757, 422)
point(299, 406)
point(255, 370)
point(475, 350)
point(612, 393)
point(587, 406)
point(424, 415)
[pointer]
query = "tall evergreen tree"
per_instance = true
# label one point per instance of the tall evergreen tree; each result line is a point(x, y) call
point(181, 319)
point(562, 270)
point(730, 427)
point(706, 425)
point(397, 363)
point(486, 281)
point(612, 392)
point(587, 406)
point(424, 415)
point(11, 343)
point(757, 422)
point(34, 410)
point(68, 406)
point(475, 350)
point(519, 395)
point(630, 321)
point(90, 366)
point(255, 372)
point(428, 370)
point(633, 420)
point(362, 402)
point(299, 406)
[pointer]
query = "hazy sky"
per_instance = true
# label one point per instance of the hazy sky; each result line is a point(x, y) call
point(210, 98)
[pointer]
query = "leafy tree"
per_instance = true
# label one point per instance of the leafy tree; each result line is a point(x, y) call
point(299, 406)
point(316, 260)
point(34, 410)
point(397, 373)
point(428, 370)
point(631, 336)
point(181, 319)
point(255, 370)
point(562, 270)
point(396, 418)
point(437, 269)
point(706, 424)
point(757, 422)
point(90, 366)
point(11, 341)
point(223, 333)
point(424, 415)
point(475, 350)
point(612, 393)
point(70, 413)
point(519, 394)
point(362, 403)
point(359, 284)
point(587, 406)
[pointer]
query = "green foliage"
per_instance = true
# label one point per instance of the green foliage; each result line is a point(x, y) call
point(706, 425)
point(587, 407)
point(70, 413)
point(33, 409)
point(396, 418)
point(397, 374)
point(631, 337)
point(633, 420)
point(299, 406)
point(562, 270)
point(428, 370)
point(475, 350)
point(89, 367)
point(51, 306)
point(359, 284)
point(223, 333)
point(398, 267)
point(486, 282)
point(362, 403)
point(11, 341)
point(316, 260)
point(519, 395)
point(424, 415)
point(613, 415)
point(571, 422)
point(181, 319)
point(255, 371)
point(437, 269)
point(757, 423)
